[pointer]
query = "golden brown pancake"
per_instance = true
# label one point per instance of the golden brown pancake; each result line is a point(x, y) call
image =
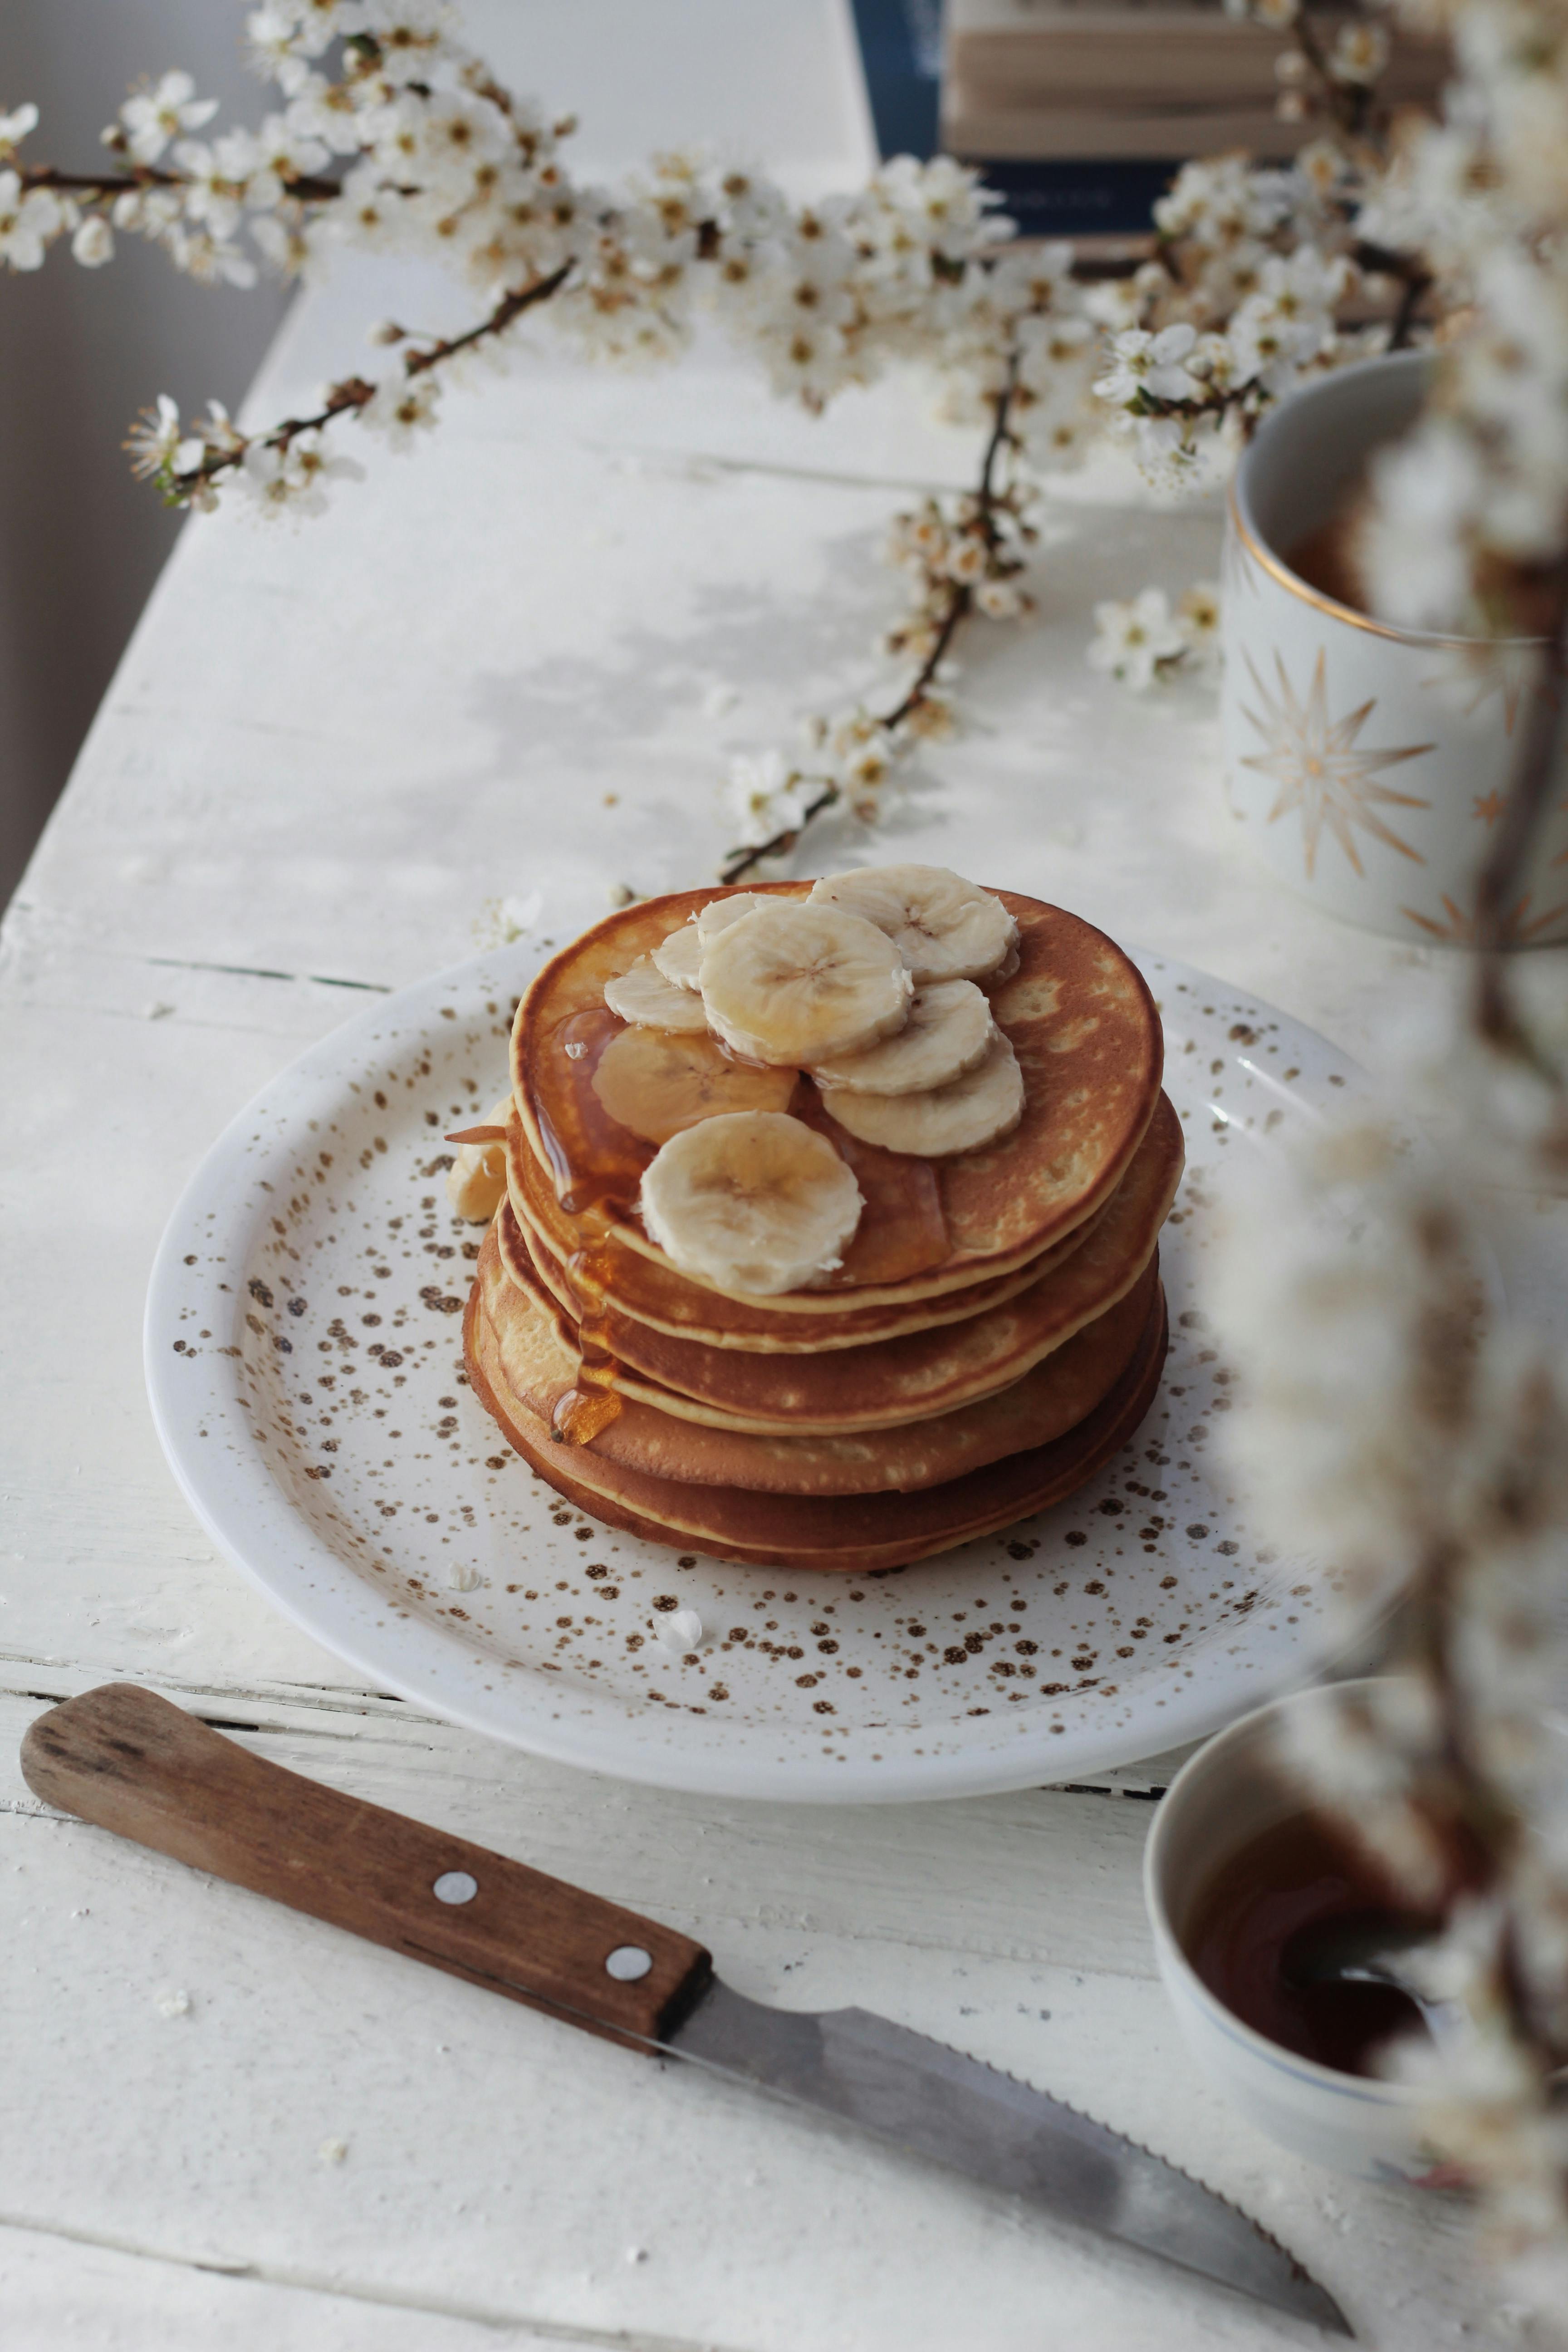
point(886, 1383)
point(1080, 1019)
point(650, 1291)
point(855, 1533)
point(537, 1369)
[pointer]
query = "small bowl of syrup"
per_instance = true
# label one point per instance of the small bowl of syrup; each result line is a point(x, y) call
point(1243, 1885)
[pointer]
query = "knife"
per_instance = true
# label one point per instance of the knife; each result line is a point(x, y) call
point(132, 1763)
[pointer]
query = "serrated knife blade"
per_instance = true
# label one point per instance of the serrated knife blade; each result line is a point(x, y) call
point(131, 1762)
point(923, 2097)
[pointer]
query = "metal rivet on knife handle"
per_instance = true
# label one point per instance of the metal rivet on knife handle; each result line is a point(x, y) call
point(454, 1886)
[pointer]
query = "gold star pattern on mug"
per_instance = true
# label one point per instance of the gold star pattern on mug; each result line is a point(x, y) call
point(1321, 770)
point(1457, 926)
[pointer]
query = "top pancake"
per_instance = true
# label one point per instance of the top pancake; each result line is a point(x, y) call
point(1087, 1035)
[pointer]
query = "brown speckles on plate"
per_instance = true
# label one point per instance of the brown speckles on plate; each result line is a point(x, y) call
point(331, 1281)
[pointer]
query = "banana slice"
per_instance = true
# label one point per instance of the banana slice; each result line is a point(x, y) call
point(986, 1102)
point(678, 957)
point(644, 995)
point(476, 1180)
point(719, 913)
point(657, 1084)
point(793, 984)
point(949, 1030)
point(944, 928)
point(751, 1202)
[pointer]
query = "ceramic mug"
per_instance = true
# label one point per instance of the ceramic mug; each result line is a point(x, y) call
point(1221, 1799)
point(1369, 764)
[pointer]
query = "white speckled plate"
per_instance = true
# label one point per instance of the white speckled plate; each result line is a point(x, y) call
point(305, 1360)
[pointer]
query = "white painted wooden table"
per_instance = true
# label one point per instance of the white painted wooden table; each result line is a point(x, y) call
point(324, 753)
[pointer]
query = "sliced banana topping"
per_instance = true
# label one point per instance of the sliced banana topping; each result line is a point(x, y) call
point(656, 1083)
point(751, 1202)
point(986, 1103)
point(643, 994)
point(678, 957)
point(944, 928)
point(719, 913)
point(949, 1030)
point(794, 984)
point(476, 1179)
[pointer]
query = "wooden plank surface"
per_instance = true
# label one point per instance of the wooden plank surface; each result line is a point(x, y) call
point(327, 752)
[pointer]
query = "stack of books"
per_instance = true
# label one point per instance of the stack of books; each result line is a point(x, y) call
point(1135, 80)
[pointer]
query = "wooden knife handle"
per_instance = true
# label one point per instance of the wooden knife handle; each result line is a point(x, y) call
point(132, 1763)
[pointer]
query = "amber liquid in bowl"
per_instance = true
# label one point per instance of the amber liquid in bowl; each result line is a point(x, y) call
point(1299, 1875)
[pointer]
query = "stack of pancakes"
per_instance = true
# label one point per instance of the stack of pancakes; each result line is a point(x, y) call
point(995, 1332)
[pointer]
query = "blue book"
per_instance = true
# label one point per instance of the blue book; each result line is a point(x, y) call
point(901, 50)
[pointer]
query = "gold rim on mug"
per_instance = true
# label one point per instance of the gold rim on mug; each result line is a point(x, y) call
point(1279, 570)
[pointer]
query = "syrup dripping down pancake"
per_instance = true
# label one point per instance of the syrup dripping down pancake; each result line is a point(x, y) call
point(856, 1534)
point(1080, 1020)
point(535, 1369)
point(648, 1289)
point(885, 1383)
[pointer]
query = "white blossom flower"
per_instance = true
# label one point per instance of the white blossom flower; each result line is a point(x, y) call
point(323, 109)
point(28, 221)
point(402, 408)
point(1116, 304)
point(1150, 363)
point(1134, 638)
point(967, 559)
point(276, 40)
point(318, 23)
point(151, 118)
point(1360, 52)
point(15, 127)
point(211, 260)
point(1034, 277)
point(150, 212)
point(155, 438)
point(999, 599)
point(1198, 619)
point(410, 35)
point(93, 243)
point(287, 152)
point(292, 479)
point(370, 213)
point(767, 796)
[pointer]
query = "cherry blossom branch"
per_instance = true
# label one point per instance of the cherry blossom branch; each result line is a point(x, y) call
point(228, 449)
point(305, 186)
point(959, 603)
point(738, 863)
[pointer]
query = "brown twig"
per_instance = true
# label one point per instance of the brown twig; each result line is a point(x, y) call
point(305, 185)
point(740, 862)
point(354, 393)
point(1416, 282)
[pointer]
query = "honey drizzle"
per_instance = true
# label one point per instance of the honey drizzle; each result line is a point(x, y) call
point(592, 1403)
point(596, 1166)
